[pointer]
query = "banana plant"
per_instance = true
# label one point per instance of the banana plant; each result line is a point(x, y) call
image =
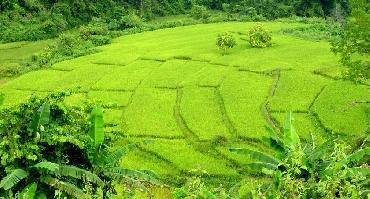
point(50, 174)
point(105, 162)
point(309, 164)
point(288, 145)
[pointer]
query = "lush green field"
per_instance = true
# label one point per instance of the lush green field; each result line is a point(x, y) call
point(173, 86)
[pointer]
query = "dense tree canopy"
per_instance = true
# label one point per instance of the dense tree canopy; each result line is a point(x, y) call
point(68, 13)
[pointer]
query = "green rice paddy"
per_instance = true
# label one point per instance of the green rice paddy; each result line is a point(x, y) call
point(174, 87)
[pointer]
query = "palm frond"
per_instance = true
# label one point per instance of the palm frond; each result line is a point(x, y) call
point(29, 192)
point(117, 173)
point(41, 196)
point(257, 155)
point(96, 131)
point(78, 173)
point(110, 159)
point(273, 140)
point(291, 138)
point(357, 155)
point(259, 166)
point(65, 187)
point(13, 178)
point(358, 171)
point(42, 117)
point(50, 166)
point(322, 149)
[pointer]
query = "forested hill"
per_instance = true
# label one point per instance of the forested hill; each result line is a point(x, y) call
point(41, 19)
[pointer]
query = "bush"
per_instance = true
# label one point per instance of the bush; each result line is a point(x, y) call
point(225, 41)
point(96, 27)
point(200, 12)
point(99, 40)
point(65, 47)
point(129, 21)
point(53, 26)
point(259, 37)
point(9, 69)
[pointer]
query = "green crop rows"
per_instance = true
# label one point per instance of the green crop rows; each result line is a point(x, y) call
point(174, 87)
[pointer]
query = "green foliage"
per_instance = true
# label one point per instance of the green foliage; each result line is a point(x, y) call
point(66, 187)
point(225, 41)
point(199, 12)
point(41, 118)
point(318, 29)
point(353, 44)
point(325, 171)
point(195, 187)
point(53, 137)
point(259, 37)
point(129, 21)
point(13, 178)
point(96, 131)
point(50, 166)
point(29, 192)
point(2, 97)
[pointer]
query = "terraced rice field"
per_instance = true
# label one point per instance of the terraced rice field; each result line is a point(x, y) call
point(173, 86)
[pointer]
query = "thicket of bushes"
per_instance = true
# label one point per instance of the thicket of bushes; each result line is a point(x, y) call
point(41, 19)
point(51, 150)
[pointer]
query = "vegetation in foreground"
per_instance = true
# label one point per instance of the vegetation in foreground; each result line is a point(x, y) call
point(172, 86)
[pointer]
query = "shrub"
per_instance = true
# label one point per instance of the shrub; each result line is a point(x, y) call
point(9, 69)
point(96, 27)
point(99, 40)
point(68, 45)
point(225, 41)
point(200, 12)
point(259, 37)
point(129, 21)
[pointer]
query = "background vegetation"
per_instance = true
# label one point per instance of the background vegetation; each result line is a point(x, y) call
point(203, 92)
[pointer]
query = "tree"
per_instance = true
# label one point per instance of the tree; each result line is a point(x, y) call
point(259, 37)
point(353, 45)
point(225, 41)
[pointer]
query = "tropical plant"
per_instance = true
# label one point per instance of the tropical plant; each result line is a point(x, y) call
point(259, 37)
point(324, 171)
point(51, 174)
point(105, 161)
point(44, 148)
point(225, 41)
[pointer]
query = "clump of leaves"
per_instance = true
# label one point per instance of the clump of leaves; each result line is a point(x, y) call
point(259, 37)
point(195, 187)
point(46, 145)
point(353, 45)
point(329, 170)
point(225, 41)
point(200, 12)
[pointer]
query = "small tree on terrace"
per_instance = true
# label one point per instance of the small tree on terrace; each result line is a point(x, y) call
point(259, 37)
point(225, 41)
